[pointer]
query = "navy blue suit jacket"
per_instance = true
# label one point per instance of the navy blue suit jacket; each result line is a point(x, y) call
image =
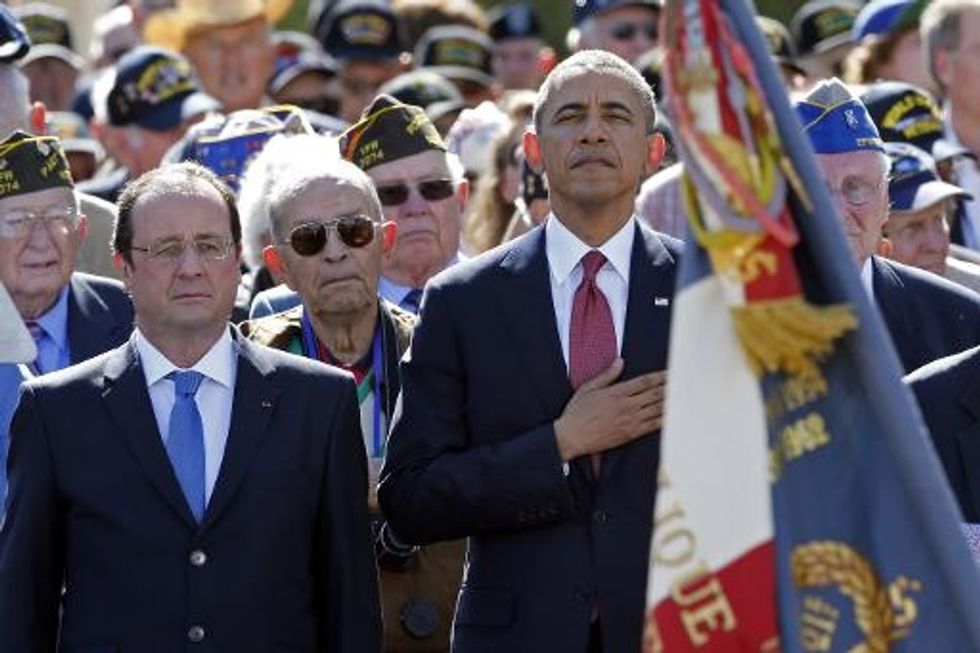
point(473, 454)
point(100, 315)
point(95, 506)
point(948, 393)
point(927, 316)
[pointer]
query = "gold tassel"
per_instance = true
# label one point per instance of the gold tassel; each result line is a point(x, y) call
point(791, 335)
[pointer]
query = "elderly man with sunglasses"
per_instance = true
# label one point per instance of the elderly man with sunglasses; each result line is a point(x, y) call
point(330, 240)
point(927, 316)
point(73, 316)
point(421, 187)
point(189, 490)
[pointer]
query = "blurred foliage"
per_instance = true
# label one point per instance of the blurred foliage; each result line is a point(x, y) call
point(556, 15)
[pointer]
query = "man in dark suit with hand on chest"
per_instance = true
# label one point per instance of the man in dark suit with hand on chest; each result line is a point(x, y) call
point(532, 395)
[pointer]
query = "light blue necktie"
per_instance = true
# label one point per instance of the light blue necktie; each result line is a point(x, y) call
point(185, 441)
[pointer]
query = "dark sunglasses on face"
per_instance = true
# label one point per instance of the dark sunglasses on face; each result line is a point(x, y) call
point(628, 31)
point(309, 238)
point(432, 190)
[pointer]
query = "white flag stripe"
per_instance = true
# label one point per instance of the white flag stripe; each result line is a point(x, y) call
point(714, 451)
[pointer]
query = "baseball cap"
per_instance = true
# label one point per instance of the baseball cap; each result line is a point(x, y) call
point(153, 88)
point(584, 9)
point(360, 29)
point(913, 184)
point(456, 52)
point(14, 42)
point(427, 89)
point(225, 144)
point(50, 34)
point(513, 21)
point(821, 25)
point(906, 113)
point(780, 45)
point(883, 17)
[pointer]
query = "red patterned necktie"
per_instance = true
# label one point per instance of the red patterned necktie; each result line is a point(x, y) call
point(592, 336)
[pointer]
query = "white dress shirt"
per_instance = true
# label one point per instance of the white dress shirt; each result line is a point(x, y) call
point(565, 251)
point(214, 397)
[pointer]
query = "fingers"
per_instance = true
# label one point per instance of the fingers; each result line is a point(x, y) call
point(604, 378)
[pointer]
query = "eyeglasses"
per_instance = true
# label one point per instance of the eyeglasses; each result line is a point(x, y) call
point(432, 190)
point(309, 238)
point(208, 248)
point(856, 191)
point(20, 224)
point(629, 31)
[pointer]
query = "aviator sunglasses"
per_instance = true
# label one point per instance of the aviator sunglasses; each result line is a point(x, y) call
point(309, 238)
point(432, 190)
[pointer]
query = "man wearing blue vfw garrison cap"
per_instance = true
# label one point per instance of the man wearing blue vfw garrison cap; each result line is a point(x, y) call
point(927, 316)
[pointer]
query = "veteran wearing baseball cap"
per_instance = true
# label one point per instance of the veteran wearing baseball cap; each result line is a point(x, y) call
point(72, 316)
point(926, 315)
point(421, 187)
point(143, 106)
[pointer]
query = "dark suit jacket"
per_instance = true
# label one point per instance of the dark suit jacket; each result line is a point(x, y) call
point(100, 316)
point(287, 561)
point(472, 453)
point(948, 393)
point(927, 316)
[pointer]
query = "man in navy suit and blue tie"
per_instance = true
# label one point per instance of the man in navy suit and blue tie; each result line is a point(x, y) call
point(188, 490)
point(532, 395)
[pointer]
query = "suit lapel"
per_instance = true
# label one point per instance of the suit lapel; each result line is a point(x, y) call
point(968, 442)
point(128, 402)
point(254, 398)
point(648, 310)
point(89, 321)
point(528, 312)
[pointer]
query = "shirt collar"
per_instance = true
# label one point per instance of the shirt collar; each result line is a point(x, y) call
point(218, 364)
point(564, 249)
point(55, 321)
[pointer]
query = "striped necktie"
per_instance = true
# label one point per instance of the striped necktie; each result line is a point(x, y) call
point(37, 332)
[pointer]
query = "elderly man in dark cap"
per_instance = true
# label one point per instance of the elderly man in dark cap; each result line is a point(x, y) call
point(72, 316)
point(926, 315)
point(421, 187)
point(520, 57)
point(143, 106)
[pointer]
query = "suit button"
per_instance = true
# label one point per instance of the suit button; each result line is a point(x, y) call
point(195, 634)
point(198, 558)
point(599, 517)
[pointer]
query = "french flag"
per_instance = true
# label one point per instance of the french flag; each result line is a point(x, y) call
point(800, 505)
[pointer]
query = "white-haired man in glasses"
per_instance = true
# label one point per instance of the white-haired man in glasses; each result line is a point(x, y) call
point(330, 240)
point(421, 188)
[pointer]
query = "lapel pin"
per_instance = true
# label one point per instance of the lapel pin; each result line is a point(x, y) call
point(266, 403)
point(661, 301)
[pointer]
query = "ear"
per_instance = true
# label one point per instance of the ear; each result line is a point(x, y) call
point(81, 229)
point(463, 193)
point(884, 247)
point(125, 269)
point(655, 153)
point(278, 267)
point(532, 151)
point(941, 64)
point(389, 235)
point(37, 117)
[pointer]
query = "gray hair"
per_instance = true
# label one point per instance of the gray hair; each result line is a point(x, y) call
point(604, 63)
point(253, 197)
point(939, 29)
point(314, 157)
point(14, 100)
